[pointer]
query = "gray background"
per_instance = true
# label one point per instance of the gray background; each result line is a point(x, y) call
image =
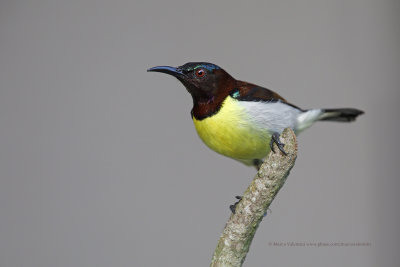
point(100, 164)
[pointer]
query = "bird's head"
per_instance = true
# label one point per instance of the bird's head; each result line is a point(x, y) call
point(204, 81)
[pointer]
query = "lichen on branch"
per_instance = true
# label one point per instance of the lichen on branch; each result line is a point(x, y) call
point(240, 229)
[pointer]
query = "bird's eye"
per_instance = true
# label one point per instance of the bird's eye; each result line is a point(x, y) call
point(200, 73)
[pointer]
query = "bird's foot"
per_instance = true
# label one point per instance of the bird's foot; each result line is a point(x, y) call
point(233, 207)
point(275, 139)
point(257, 163)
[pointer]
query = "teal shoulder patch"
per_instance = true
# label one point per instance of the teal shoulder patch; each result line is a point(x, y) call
point(235, 93)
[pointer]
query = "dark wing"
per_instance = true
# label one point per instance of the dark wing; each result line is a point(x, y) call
point(250, 92)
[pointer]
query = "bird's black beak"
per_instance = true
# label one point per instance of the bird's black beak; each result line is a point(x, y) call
point(168, 70)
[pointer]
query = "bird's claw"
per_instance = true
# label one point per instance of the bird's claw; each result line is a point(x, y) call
point(233, 207)
point(275, 139)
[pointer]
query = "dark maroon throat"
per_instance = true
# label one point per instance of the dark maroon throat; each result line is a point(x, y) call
point(206, 108)
point(208, 104)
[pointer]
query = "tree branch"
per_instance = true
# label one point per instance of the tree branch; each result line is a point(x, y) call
point(240, 229)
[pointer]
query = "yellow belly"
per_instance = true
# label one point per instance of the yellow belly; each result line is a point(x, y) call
point(232, 133)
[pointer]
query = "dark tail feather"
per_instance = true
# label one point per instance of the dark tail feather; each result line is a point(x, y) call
point(340, 114)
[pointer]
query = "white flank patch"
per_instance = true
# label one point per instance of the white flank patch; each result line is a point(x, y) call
point(276, 116)
point(271, 116)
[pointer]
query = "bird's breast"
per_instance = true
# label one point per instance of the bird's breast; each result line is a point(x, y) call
point(234, 132)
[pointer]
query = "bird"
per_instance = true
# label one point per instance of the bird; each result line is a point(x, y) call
point(242, 120)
